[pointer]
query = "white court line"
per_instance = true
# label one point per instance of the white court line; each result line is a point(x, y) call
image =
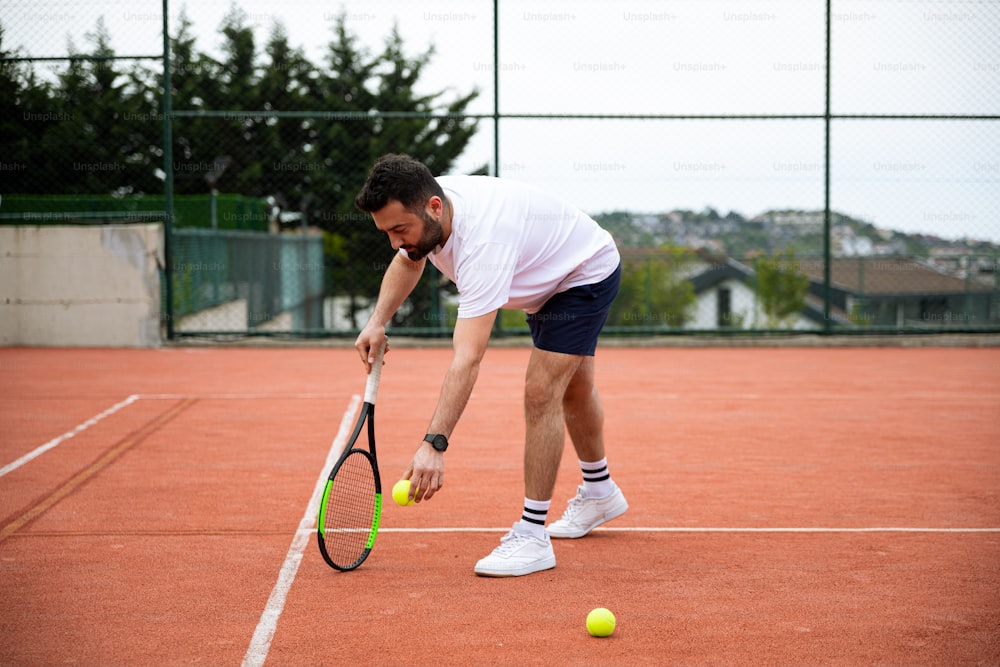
point(260, 644)
point(14, 465)
point(680, 529)
point(792, 529)
point(816, 529)
point(10, 467)
point(240, 397)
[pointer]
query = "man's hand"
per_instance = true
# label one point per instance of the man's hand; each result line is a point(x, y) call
point(368, 342)
point(426, 472)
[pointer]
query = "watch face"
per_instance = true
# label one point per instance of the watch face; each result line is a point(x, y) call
point(438, 442)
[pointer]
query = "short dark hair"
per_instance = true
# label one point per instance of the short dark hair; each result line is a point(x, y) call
point(397, 177)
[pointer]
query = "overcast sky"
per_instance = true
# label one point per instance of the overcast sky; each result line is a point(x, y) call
point(672, 57)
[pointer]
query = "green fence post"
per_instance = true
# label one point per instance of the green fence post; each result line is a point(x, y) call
point(827, 321)
point(168, 179)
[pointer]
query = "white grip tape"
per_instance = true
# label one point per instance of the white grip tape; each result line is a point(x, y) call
point(371, 387)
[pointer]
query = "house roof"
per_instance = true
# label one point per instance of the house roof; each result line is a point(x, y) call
point(730, 269)
point(719, 272)
point(887, 276)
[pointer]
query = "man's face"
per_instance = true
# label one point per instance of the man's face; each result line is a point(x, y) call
point(418, 235)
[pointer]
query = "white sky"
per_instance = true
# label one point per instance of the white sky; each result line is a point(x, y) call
point(671, 57)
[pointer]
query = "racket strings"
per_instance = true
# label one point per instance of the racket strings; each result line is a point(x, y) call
point(350, 510)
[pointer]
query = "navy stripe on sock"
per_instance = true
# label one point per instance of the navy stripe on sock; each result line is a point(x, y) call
point(534, 519)
point(596, 474)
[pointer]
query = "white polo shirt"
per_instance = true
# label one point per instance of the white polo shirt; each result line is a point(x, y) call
point(514, 246)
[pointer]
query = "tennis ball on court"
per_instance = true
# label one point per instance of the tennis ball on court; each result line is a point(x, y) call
point(401, 492)
point(600, 622)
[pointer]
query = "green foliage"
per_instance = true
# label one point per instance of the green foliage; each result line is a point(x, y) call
point(78, 134)
point(781, 287)
point(654, 291)
point(513, 320)
point(98, 130)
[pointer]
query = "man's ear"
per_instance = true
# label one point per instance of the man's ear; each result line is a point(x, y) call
point(435, 204)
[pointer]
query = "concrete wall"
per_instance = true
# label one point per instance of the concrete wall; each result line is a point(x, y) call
point(80, 285)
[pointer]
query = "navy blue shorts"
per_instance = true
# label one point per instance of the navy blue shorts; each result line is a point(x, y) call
point(570, 321)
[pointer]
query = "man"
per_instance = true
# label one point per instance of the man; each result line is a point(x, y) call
point(506, 244)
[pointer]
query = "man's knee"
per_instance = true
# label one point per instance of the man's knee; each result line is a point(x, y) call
point(541, 395)
point(549, 374)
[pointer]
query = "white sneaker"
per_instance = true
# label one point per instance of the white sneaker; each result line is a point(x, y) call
point(583, 514)
point(517, 555)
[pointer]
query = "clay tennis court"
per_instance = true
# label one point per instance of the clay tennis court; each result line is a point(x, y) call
point(789, 506)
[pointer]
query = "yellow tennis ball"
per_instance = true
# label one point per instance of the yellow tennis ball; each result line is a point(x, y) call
point(401, 492)
point(600, 622)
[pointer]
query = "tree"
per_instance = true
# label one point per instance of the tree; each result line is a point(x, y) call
point(298, 133)
point(781, 287)
point(76, 135)
point(313, 163)
point(358, 82)
point(654, 292)
point(25, 101)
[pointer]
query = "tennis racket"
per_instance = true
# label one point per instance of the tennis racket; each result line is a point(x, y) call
point(351, 507)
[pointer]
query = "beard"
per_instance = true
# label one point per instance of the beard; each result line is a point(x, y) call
point(429, 240)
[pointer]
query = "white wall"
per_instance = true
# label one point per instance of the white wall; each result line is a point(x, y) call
point(742, 301)
point(80, 285)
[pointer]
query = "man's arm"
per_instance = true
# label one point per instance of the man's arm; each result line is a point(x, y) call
point(397, 284)
point(470, 339)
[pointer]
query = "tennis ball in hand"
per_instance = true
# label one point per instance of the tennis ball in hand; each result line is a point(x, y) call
point(600, 622)
point(401, 492)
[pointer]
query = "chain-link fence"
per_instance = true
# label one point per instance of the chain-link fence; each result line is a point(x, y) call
point(782, 165)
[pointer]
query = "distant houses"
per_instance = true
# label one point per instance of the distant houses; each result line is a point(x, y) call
point(864, 292)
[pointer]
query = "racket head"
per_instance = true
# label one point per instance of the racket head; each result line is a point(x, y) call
point(350, 511)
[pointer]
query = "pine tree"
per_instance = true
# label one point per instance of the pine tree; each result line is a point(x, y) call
point(348, 147)
point(27, 112)
point(98, 129)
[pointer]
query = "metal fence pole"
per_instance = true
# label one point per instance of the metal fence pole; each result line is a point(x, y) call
point(496, 87)
point(827, 320)
point(168, 179)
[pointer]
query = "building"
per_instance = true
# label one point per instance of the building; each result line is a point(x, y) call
point(864, 292)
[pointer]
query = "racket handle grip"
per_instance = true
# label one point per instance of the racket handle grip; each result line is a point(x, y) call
point(375, 376)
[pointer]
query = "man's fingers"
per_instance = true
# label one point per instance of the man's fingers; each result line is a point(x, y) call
point(428, 489)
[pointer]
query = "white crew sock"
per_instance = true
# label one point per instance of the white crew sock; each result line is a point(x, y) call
point(596, 479)
point(533, 517)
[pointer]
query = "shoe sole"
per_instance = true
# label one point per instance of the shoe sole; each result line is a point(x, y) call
point(613, 514)
point(546, 564)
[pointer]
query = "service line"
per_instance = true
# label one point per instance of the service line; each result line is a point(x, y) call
point(38, 451)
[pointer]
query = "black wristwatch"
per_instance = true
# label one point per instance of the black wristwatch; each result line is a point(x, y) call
point(438, 442)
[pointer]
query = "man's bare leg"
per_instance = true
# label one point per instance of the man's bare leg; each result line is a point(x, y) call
point(548, 376)
point(599, 499)
point(584, 413)
point(527, 547)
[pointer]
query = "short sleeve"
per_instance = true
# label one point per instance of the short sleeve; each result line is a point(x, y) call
point(484, 278)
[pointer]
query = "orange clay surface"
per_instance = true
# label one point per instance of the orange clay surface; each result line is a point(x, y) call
point(788, 507)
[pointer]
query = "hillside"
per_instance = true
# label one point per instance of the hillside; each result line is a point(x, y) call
point(802, 231)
